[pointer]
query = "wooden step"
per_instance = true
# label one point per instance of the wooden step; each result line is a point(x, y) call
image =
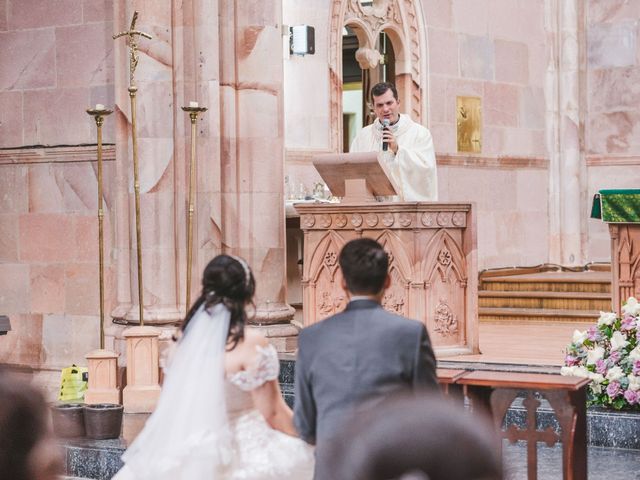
point(596, 282)
point(488, 314)
point(542, 299)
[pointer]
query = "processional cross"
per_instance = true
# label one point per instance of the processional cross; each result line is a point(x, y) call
point(133, 63)
point(133, 45)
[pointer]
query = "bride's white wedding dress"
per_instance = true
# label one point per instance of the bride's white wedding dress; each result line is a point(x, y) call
point(205, 425)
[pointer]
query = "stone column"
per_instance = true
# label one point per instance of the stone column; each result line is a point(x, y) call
point(252, 154)
point(564, 95)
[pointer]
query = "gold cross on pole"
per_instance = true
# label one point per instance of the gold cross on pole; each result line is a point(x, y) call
point(133, 45)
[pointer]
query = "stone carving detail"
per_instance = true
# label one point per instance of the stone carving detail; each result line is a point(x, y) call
point(459, 219)
point(325, 220)
point(330, 258)
point(444, 257)
point(371, 219)
point(390, 255)
point(444, 219)
point(393, 303)
point(356, 220)
point(329, 305)
point(368, 58)
point(388, 219)
point(446, 323)
point(341, 220)
point(308, 221)
point(428, 219)
point(404, 219)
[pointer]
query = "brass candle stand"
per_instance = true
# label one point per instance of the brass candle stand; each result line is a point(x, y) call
point(193, 109)
point(132, 35)
point(98, 113)
point(103, 364)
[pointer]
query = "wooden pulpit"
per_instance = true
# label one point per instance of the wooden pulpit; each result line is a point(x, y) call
point(620, 209)
point(432, 250)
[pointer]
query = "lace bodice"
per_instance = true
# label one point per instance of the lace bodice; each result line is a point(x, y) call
point(266, 368)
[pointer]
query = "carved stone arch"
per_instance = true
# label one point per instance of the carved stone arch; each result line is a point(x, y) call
point(444, 257)
point(444, 270)
point(403, 22)
point(398, 258)
point(325, 256)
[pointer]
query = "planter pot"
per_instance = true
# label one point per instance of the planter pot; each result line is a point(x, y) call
point(68, 420)
point(103, 420)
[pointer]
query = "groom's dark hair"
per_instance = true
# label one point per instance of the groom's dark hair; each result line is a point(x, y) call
point(364, 265)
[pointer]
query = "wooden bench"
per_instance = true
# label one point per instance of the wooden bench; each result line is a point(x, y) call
point(5, 325)
point(494, 392)
point(447, 378)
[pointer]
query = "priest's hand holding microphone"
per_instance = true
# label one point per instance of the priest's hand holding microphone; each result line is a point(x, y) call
point(388, 138)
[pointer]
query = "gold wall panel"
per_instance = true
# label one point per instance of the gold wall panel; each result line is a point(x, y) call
point(469, 124)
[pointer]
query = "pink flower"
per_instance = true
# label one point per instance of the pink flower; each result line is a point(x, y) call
point(628, 323)
point(570, 360)
point(631, 397)
point(593, 334)
point(636, 367)
point(601, 367)
point(614, 357)
point(613, 390)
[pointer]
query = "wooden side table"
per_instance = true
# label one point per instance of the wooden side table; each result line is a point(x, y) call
point(494, 392)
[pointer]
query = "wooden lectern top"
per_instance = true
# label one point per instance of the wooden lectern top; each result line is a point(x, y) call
point(356, 177)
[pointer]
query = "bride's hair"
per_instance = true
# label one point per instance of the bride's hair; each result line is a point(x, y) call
point(227, 280)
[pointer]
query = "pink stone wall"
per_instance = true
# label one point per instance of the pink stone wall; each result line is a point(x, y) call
point(495, 50)
point(612, 126)
point(56, 59)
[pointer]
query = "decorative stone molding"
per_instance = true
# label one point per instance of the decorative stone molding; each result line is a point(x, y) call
point(432, 264)
point(44, 154)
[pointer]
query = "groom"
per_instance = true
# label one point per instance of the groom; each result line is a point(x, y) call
point(357, 357)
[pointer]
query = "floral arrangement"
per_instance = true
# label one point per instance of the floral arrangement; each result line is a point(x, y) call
point(609, 355)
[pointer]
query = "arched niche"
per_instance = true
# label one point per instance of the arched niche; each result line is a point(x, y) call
point(402, 21)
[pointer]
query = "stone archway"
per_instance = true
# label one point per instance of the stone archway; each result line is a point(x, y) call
point(402, 21)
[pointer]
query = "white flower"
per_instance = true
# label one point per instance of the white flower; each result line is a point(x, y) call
point(596, 378)
point(635, 354)
point(618, 341)
point(579, 337)
point(596, 388)
point(632, 307)
point(574, 371)
point(581, 371)
point(606, 318)
point(615, 373)
point(634, 383)
point(594, 355)
point(567, 371)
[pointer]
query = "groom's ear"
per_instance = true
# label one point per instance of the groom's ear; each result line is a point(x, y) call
point(343, 284)
point(387, 282)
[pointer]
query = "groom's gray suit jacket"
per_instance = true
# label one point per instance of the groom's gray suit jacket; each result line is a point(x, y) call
point(356, 357)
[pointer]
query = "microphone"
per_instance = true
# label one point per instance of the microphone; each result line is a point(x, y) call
point(385, 126)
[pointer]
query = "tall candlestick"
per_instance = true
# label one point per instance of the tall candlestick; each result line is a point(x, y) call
point(98, 114)
point(193, 109)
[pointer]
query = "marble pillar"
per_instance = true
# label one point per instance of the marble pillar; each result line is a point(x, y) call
point(564, 86)
point(252, 153)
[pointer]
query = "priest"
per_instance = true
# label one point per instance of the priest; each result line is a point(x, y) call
point(406, 147)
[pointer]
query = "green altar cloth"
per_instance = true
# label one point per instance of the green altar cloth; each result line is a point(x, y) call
point(617, 206)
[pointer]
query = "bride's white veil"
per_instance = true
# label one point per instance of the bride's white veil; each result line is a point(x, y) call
point(190, 420)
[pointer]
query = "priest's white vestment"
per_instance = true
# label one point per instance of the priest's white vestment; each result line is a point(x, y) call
point(413, 167)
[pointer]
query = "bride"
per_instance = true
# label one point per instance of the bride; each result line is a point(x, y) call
point(220, 414)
